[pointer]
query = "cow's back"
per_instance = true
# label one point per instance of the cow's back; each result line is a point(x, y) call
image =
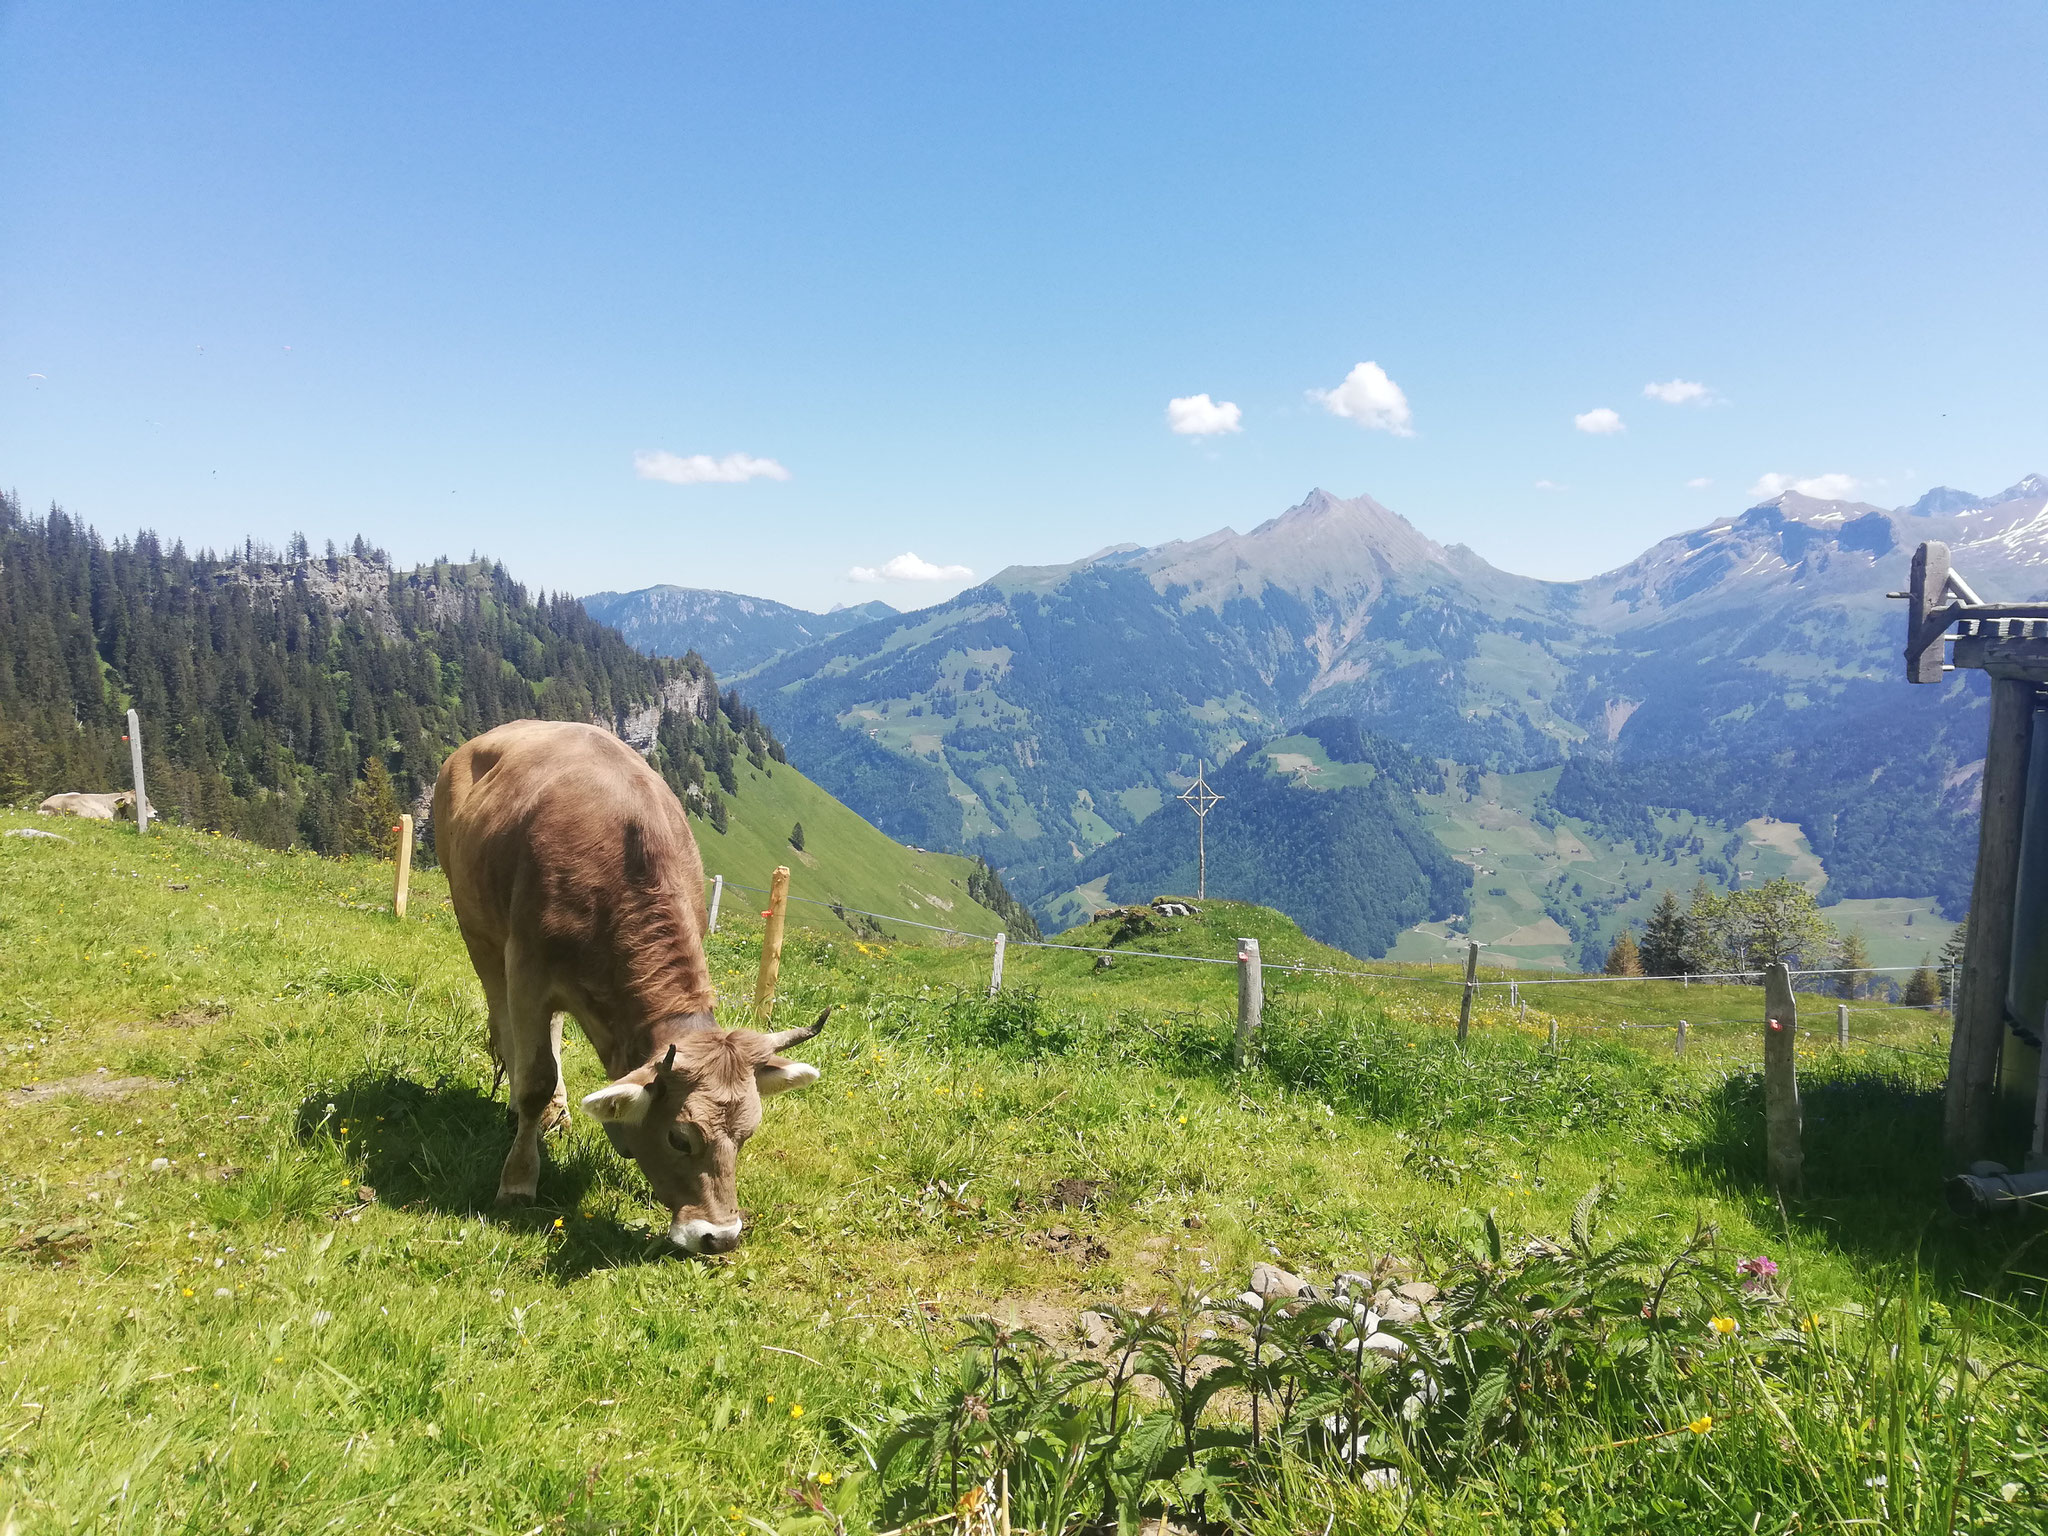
point(561, 837)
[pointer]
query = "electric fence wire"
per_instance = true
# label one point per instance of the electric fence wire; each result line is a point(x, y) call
point(1296, 968)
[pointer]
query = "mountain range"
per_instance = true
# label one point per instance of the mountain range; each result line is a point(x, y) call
point(1745, 669)
point(732, 633)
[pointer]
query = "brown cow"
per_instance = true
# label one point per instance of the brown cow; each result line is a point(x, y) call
point(578, 889)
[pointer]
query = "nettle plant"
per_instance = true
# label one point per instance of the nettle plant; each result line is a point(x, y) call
point(1195, 1404)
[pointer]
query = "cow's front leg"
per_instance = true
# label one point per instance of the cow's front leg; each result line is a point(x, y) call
point(539, 1099)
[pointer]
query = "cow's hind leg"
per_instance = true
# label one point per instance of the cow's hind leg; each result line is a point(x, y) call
point(532, 1043)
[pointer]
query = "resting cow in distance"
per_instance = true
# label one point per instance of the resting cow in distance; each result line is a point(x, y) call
point(579, 890)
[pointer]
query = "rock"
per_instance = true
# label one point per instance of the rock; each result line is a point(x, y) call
point(1421, 1292)
point(159, 1165)
point(53, 837)
point(1396, 1309)
point(1276, 1284)
point(1351, 1285)
point(1385, 1344)
point(1094, 1330)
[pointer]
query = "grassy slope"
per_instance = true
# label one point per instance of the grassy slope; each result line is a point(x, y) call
point(1517, 857)
point(244, 1341)
point(844, 859)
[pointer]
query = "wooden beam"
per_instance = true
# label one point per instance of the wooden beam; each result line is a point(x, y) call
point(1928, 589)
point(1987, 959)
point(2004, 655)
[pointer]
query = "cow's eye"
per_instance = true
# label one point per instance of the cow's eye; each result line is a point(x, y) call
point(682, 1138)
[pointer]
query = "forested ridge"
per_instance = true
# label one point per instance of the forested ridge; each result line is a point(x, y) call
point(299, 699)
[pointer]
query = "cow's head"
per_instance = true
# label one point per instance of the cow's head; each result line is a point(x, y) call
point(684, 1117)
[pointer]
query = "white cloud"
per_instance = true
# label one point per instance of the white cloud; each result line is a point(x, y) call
point(1368, 397)
point(1199, 416)
point(1698, 483)
point(909, 567)
point(702, 469)
point(1679, 392)
point(1548, 485)
point(1600, 421)
point(1836, 487)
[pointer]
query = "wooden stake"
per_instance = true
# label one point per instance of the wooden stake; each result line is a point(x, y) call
point(402, 882)
point(995, 975)
point(1251, 994)
point(135, 769)
point(1987, 957)
point(1680, 1049)
point(1465, 1004)
point(717, 895)
point(771, 943)
point(1781, 1082)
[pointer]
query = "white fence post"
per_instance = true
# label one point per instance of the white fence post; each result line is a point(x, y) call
point(995, 975)
point(1841, 1023)
point(135, 768)
point(1251, 994)
point(717, 895)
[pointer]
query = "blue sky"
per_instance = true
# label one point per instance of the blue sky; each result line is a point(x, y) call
point(446, 275)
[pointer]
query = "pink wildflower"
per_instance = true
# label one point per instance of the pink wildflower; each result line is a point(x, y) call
point(1757, 1273)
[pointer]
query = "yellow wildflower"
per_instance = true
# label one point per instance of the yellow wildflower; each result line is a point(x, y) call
point(1702, 1424)
point(796, 1410)
point(1726, 1325)
point(825, 1477)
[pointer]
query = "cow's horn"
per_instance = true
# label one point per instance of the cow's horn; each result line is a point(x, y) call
point(783, 1039)
point(668, 1062)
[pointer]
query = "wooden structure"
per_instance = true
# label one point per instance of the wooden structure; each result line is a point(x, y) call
point(1201, 799)
point(1995, 1060)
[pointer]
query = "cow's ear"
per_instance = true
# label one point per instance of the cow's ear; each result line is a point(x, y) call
point(622, 1103)
point(778, 1075)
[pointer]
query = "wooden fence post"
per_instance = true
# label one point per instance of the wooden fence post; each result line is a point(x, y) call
point(401, 885)
point(1680, 1049)
point(1465, 1003)
point(1841, 1024)
point(1987, 954)
point(1781, 1081)
point(135, 769)
point(995, 973)
point(717, 895)
point(771, 943)
point(1251, 994)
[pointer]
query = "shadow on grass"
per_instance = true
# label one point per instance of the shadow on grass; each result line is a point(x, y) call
point(439, 1148)
point(1874, 1167)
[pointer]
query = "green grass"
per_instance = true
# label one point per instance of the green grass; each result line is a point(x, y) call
point(1514, 857)
point(844, 859)
point(311, 1318)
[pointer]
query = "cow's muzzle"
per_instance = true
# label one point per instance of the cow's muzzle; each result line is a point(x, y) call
point(700, 1236)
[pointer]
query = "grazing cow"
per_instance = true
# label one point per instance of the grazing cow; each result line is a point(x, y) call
point(578, 889)
point(120, 807)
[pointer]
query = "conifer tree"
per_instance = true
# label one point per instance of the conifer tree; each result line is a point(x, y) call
point(370, 823)
point(1664, 947)
point(1952, 951)
point(1851, 957)
point(1624, 959)
point(796, 837)
point(1921, 988)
